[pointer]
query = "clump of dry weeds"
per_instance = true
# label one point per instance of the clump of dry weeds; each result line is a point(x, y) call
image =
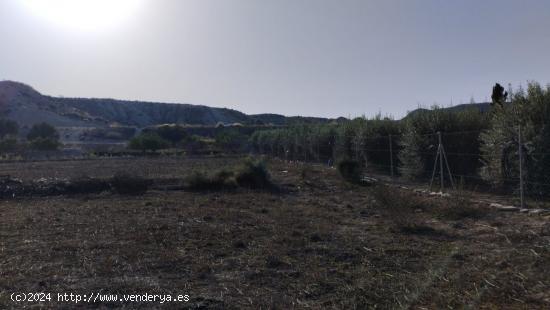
point(401, 209)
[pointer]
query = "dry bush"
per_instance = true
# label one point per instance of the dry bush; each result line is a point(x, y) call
point(127, 184)
point(350, 170)
point(253, 174)
point(400, 208)
point(223, 179)
point(86, 185)
point(460, 207)
point(250, 174)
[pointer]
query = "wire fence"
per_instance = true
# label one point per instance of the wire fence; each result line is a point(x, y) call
point(444, 161)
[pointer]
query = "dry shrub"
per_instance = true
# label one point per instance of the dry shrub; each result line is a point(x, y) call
point(460, 207)
point(350, 170)
point(127, 184)
point(86, 185)
point(250, 174)
point(199, 181)
point(253, 174)
point(400, 208)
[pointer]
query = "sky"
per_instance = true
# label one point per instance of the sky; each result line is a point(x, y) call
point(293, 57)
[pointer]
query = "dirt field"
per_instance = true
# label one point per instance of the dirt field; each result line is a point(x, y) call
point(318, 242)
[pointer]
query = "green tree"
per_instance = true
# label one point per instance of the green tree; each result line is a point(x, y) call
point(531, 110)
point(148, 141)
point(43, 136)
point(8, 128)
point(231, 140)
point(42, 130)
point(173, 133)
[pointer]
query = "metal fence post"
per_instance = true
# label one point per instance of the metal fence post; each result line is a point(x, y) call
point(440, 161)
point(391, 156)
point(520, 168)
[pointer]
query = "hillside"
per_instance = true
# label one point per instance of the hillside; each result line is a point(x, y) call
point(482, 107)
point(25, 105)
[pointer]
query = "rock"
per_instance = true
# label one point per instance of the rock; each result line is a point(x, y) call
point(539, 211)
point(508, 208)
point(500, 207)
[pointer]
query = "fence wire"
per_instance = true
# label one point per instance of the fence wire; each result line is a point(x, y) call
point(468, 164)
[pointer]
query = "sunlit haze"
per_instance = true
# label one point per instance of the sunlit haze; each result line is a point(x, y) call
point(294, 57)
point(86, 15)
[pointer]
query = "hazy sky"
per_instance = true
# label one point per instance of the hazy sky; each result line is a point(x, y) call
point(294, 57)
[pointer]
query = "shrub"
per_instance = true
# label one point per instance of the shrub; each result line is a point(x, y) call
point(420, 141)
point(44, 144)
point(86, 185)
point(253, 174)
point(127, 184)
point(8, 144)
point(173, 133)
point(351, 170)
point(44, 137)
point(231, 140)
point(43, 130)
point(222, 179)
point(148, 141)
point(8, 128)
point(399, 207)
point(531, 111)
point(460, 206)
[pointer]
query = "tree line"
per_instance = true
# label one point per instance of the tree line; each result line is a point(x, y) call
point(480, 146)
point(41, 136)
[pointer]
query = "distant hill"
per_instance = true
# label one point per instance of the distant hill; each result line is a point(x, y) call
point(482, 107)
point(25, 105)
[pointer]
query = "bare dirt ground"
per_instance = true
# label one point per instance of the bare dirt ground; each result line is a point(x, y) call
point(316, 243)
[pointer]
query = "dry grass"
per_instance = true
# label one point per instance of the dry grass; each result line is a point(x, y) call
point(320, 243)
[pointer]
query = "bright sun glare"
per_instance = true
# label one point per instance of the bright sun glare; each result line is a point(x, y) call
point(87, 15)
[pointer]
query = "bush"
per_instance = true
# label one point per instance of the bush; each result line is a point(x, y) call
point(8, 128)
point(253, 174)
point(399, 207)
point(531, 110)
point(231, 140)
point(86, 185)
point(223, 179)
point(148, 141)
point(44, 144)
point(8, 144)
point(44, 131)
point(173, 133)
point(43, 137)
point(420, 141)
point(127, 184)
point(350, 170)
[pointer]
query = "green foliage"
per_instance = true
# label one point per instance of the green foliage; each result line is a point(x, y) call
point(8, 144)
point(44, 144)
point(476, 143)
point(43, 130)
point(531, 111)
point(148, 141)
point(231, 140)
point(8, 128)
point(360, 139)
point(44, 137)
point(460, 132)
point(173, 133)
